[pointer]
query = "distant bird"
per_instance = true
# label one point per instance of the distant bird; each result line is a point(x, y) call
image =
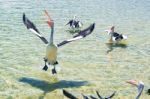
point(115, 37)
point(139, 85)
point(51, 49)
point(73, 23)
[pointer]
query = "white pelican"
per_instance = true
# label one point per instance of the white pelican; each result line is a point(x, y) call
point(115, 37)
point(51, 50)
point(74, 23)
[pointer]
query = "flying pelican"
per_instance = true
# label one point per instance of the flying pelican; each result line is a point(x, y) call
point(139, 85)
point(115, 37)
point(51, 49)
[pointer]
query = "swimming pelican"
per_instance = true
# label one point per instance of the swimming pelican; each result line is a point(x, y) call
point(74, 23)
point(139, 85)
point(51, 49)
point(115, 37)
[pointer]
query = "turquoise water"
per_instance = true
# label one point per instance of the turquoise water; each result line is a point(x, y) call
point(21, 53)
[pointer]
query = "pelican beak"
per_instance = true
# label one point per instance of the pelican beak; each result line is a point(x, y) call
point(132, 82)
point(50, 23)
point(108, 32)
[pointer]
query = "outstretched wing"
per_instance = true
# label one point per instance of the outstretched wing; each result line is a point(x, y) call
point(30, 25)
point(109, 97)
point(100, 97)
point(69, 95)
point(84, 97)
point(80, 35)
point(70, 22)
point(92, 97)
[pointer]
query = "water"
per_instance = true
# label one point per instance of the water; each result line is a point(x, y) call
point(21, 53)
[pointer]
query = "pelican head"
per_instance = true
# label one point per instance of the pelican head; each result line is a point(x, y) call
point(139, 85)
point(110, 31)
point(74, 17)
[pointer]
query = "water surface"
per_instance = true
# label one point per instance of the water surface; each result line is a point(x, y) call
point(21, 53)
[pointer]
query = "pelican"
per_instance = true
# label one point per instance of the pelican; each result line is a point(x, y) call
point(74, 23)
point(139, 85)
point(115, 37)
point(51, 49)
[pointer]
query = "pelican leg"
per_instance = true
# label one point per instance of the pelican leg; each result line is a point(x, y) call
point(54, 70)
point(56, 63)
point(45, 67)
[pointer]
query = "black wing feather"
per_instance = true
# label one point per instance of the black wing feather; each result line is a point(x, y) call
point(81, 34)
point(99, 95)
point(86, 31)
point(69, 95)
point(92, 97)
point(113, 94)
point(30, 25)
point(84, 97)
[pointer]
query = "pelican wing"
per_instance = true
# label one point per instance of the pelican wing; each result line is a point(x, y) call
point(113, 94)
point(84, 97)
point(70, 22)
point(80, 35)
point(69, 95)
point(30, 25)
point(100, 97)
point(92, 97)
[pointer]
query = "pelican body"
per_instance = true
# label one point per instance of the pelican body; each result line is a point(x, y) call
point(115, 37)
point(51, 54)
point(51, 50)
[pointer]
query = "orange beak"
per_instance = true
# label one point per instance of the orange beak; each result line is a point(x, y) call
point(132, 82)
point(50, 22)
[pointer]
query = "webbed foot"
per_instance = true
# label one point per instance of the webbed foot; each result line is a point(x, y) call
point(45, 67)
point(54, 71)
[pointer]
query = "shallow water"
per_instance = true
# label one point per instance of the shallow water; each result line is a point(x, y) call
point(21, 53)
